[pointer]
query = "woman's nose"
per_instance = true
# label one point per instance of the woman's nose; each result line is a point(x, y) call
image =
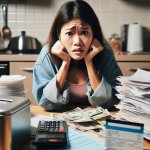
point(77, 40)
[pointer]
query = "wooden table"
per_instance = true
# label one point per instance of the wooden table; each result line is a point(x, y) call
point(37, 110)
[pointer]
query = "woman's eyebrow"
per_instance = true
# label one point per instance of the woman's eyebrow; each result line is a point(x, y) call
point(83, 27)
point(72, 27)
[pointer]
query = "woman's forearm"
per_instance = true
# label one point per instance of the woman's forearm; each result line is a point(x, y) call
point(62, 75)
point(93, 76)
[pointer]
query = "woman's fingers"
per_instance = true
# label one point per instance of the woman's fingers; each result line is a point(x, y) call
point(57, 48)
point(97, 47)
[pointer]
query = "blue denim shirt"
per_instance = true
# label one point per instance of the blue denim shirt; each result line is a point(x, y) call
point(45, 88)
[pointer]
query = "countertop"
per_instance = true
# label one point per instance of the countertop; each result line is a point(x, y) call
point(144, 57)
point(133, 57)
point(18, 57)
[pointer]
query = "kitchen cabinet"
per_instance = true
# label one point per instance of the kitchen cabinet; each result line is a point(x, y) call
point(130, 63)
point(128, 68)
point(20, 64)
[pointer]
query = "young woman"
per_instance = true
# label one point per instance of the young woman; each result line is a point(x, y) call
point(76, 67)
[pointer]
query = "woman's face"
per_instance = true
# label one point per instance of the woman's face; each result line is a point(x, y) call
point(76, 36)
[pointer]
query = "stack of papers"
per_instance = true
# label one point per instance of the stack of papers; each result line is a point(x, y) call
point(134, 93)
point(12, 85)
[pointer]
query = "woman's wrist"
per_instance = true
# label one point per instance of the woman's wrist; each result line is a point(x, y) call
point(65, 64)
point(88, 63)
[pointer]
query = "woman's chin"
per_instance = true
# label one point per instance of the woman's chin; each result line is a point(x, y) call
point(77, 57)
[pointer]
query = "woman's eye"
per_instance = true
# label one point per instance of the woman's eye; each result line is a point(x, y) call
point(84, 32)
point(69, 33)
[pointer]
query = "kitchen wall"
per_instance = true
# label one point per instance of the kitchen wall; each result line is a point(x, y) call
point(36, 16)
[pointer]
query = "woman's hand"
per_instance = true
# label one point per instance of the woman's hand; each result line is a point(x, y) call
point(95, 48)
point(59, 50)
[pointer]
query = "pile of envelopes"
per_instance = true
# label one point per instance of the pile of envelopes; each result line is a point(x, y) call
point(134, 93)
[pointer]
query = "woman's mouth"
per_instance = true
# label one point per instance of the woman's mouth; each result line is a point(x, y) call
point(78, 51)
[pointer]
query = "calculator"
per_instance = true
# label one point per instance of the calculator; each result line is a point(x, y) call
point(51, 133)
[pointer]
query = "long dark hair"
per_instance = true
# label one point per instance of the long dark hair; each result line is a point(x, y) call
point(70, 10)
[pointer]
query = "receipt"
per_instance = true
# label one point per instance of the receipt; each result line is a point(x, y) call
point(123, 135)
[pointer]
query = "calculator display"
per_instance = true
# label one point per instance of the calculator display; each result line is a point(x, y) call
point(51, 136)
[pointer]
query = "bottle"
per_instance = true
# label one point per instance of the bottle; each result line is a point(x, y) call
point(115, 43)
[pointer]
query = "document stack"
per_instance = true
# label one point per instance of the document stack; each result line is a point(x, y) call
point(134, 93)
point(12, 85)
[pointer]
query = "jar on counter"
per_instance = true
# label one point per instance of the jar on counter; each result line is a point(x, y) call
point(115, 42)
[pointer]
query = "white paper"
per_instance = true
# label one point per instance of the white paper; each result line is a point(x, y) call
point(141, 76)
point(134, 93)
point(36, 118)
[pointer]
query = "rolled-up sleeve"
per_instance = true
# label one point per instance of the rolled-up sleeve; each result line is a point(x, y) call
point(44, 87)
point(52, 93)
point(102, 94)
point(108, 70)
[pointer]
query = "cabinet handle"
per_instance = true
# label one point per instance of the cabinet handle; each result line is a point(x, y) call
point(1, 67)
point(135, 69)
point(27, 69)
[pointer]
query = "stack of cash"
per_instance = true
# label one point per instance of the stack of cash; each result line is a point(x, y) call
point(84, 119)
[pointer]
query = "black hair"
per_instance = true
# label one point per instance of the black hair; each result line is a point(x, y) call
point(78, 9)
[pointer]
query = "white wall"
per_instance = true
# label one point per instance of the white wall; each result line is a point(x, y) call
point(35, 16)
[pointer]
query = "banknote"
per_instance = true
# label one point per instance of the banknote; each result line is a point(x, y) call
point(88, 119)
point(85, 126)
point(101, 121)
point(58, 117)
point(96, 113)
point(77, 115)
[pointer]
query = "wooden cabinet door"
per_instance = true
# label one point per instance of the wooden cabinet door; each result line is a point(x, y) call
point(129, 68)
point(25, 69)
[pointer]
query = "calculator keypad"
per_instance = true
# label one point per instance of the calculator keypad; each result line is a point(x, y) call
point(51, 133)
point(52, 126)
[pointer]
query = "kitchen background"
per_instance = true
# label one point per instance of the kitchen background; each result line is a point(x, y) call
point(36, 16)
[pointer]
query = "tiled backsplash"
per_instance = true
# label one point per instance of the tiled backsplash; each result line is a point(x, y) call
point(36, 16)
